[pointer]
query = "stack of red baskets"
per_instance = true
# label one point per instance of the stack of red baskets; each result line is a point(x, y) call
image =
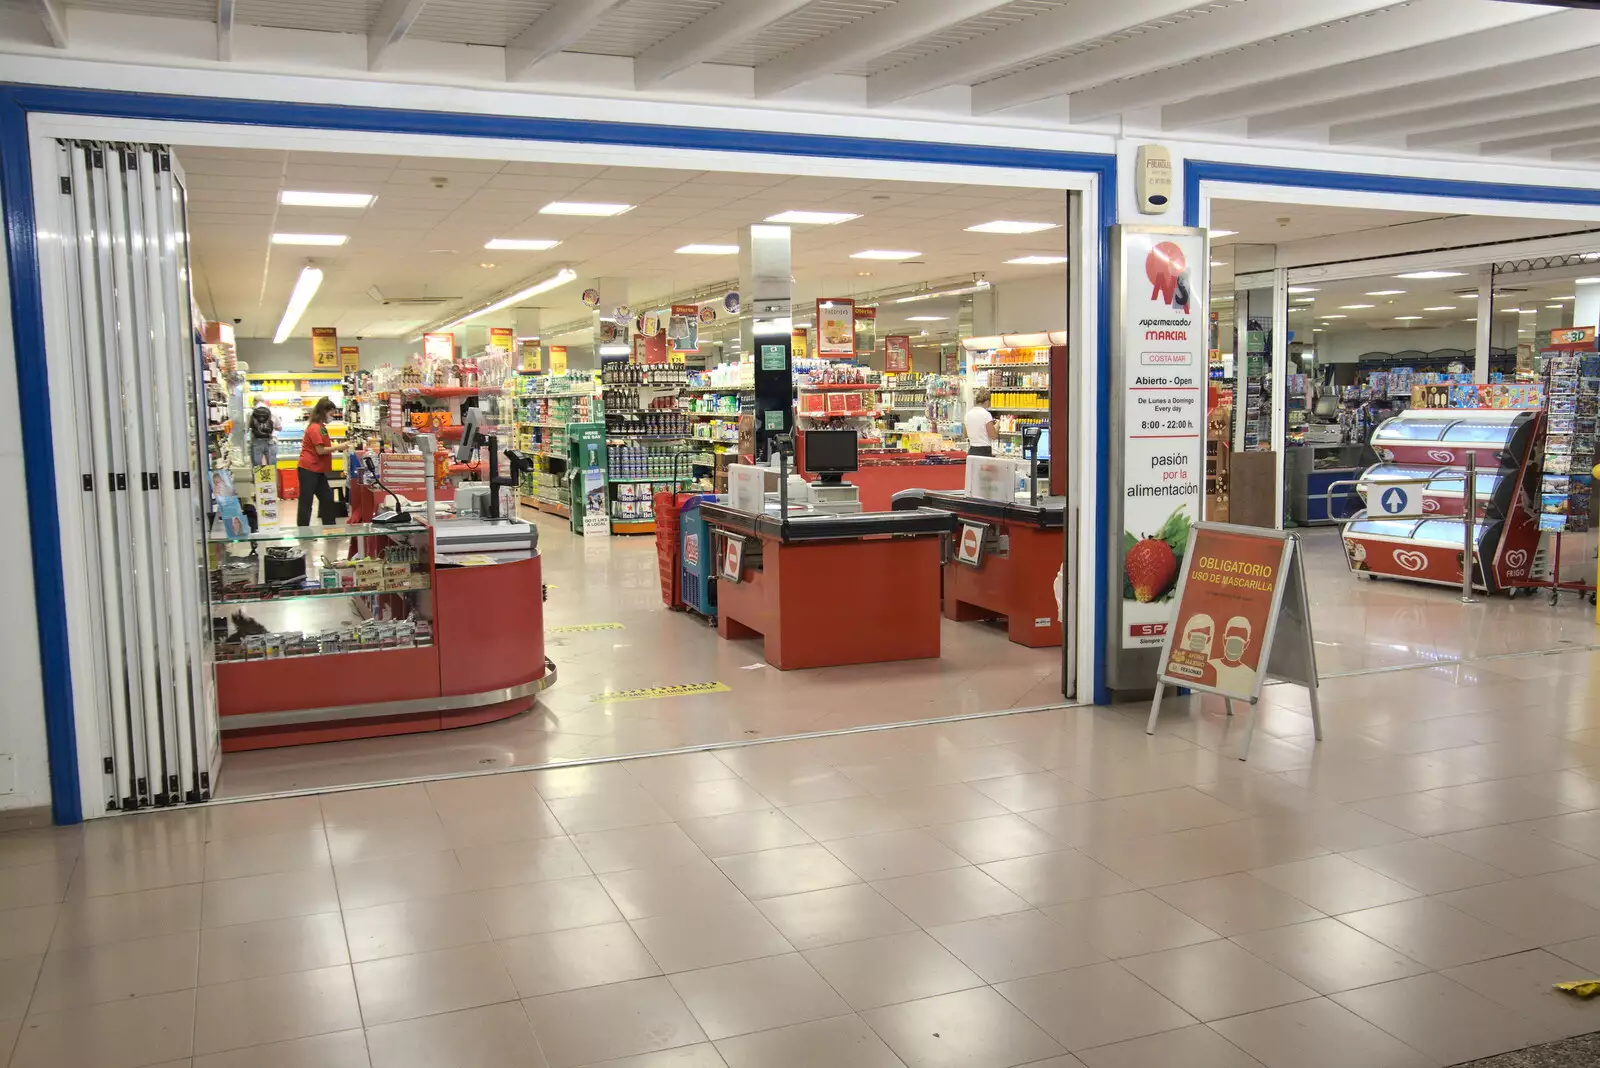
point(667, 506)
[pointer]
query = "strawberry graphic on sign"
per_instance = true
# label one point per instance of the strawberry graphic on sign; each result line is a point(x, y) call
point(1150, 564)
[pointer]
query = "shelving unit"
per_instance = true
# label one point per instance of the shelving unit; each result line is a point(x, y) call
point(648, 431)
point(544, 407)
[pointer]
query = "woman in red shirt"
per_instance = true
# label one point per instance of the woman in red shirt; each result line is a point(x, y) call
point(316, 464)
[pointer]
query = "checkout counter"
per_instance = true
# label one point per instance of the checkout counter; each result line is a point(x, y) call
point(482, 599)
point(819, 580)
point(1005, 563)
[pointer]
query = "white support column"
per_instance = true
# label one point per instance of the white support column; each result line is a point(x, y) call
point(1586, 309)
point(1485, 324)
point(1280, 382)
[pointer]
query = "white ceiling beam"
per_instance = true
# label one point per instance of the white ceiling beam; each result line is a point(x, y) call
point(879, 33)
point(1540, 142)
point(1588, 150)
point(1490, 82)
point(54, 25)
point(552, 32)
point(1196, 38)
point(1054, 31)
point(1479, 132)
point(390, 27)
point(225, 30)
point(1453, 45)
point(1497, 105)
point(722, 27)
point(1423, 22)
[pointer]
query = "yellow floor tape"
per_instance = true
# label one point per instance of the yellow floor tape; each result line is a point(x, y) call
point(650, 693)
point(582, 628)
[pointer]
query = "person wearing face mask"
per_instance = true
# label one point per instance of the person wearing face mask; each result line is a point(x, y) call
point(1234, 676)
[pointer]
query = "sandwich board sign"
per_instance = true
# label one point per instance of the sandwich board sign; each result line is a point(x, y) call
point(1242, 617)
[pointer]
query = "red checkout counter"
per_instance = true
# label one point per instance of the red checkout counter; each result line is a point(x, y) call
point(825, 590)
point(486, 661)
point(1015, 573)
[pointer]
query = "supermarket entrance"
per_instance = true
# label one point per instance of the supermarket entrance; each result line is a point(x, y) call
point(960, 296)
point(1353, 343)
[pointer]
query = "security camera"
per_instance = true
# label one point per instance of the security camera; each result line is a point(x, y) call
point(236, 321)
point(360, 337)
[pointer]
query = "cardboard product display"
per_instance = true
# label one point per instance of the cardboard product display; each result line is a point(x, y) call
point(1241, 616)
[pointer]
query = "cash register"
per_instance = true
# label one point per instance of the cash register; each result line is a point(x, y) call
point(830, 455)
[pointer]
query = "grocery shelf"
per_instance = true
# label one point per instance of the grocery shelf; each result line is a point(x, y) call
point(311, 593)
point(346, 530)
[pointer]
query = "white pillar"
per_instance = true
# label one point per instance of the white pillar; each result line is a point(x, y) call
point(1586, 309)
point(1480, 366)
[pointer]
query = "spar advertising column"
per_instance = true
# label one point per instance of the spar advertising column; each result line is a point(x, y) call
point(1158, 416)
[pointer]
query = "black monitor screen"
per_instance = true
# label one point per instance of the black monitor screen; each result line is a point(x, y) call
point(830, 451)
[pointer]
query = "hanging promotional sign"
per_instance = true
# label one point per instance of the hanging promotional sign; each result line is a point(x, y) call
point(836, 327)
point(530, 354)
point(708, 314)
point(897, 353)
point(558, 359)
point(866, 327)
point(1162, 372)
point(683, 328)
point(324, 347)
point(439, 348)
point(1573, 339)
point(502, 340)
point(349, 359)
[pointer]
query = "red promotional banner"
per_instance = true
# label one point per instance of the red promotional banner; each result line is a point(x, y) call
point(897, 353)
point(1227, 598)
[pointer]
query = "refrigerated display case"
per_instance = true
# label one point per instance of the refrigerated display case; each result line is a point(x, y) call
point(1436, 444)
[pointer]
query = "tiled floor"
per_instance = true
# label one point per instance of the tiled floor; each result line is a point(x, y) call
point(1360, 625)
point(1052, 889)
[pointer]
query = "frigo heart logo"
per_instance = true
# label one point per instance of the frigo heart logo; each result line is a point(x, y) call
point(1411, 560)
point(1429, 504)
point(1441, 456)
point(1516, 558)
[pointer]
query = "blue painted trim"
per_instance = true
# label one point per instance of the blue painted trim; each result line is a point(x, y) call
point(17, 101)
point(1197, 171)
point(44, 522)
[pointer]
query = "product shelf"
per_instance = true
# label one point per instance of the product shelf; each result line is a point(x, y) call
point(348, 530)
point(311, 593)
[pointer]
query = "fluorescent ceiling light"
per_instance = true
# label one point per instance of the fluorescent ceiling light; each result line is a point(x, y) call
point(1406, 318)
point(578, 207)
point(1037, 261)
point(1387, 293)
point(1305, 300)
point(303, 199)
point(309, 239)
point(885, 254)
point(1325, 317)
point(1223, 233)
point(1473, 320)
point(926, 318)
point(1527, 311)
point(305, 287)
point(522, 244)
point(1433, 274)
point(1557, 307)
point(1563, 298)
point(614, 350)
point(1009, 226)
point(1442, 307)
point(708, 250)
point(1219, 263)
point(1585, 281)
point(1355, 307)
point(976, 287)
point(1304, 289)
point(812, 218)
point(560, 278)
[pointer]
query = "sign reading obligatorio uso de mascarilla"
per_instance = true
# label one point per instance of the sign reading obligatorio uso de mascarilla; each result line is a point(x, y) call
point(1165, 328)
point(1226, 603)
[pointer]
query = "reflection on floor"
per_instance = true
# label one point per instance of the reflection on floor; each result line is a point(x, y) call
point(1367, 623)
point(1050, 889)
point(614, 580)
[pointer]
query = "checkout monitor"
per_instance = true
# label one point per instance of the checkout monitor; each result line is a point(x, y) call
point(830, 454)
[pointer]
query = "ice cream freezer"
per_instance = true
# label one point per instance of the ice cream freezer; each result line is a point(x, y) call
point(1435, 445)
point(1446, 437)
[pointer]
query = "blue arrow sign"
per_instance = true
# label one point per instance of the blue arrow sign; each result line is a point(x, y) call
point(1394, 500)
